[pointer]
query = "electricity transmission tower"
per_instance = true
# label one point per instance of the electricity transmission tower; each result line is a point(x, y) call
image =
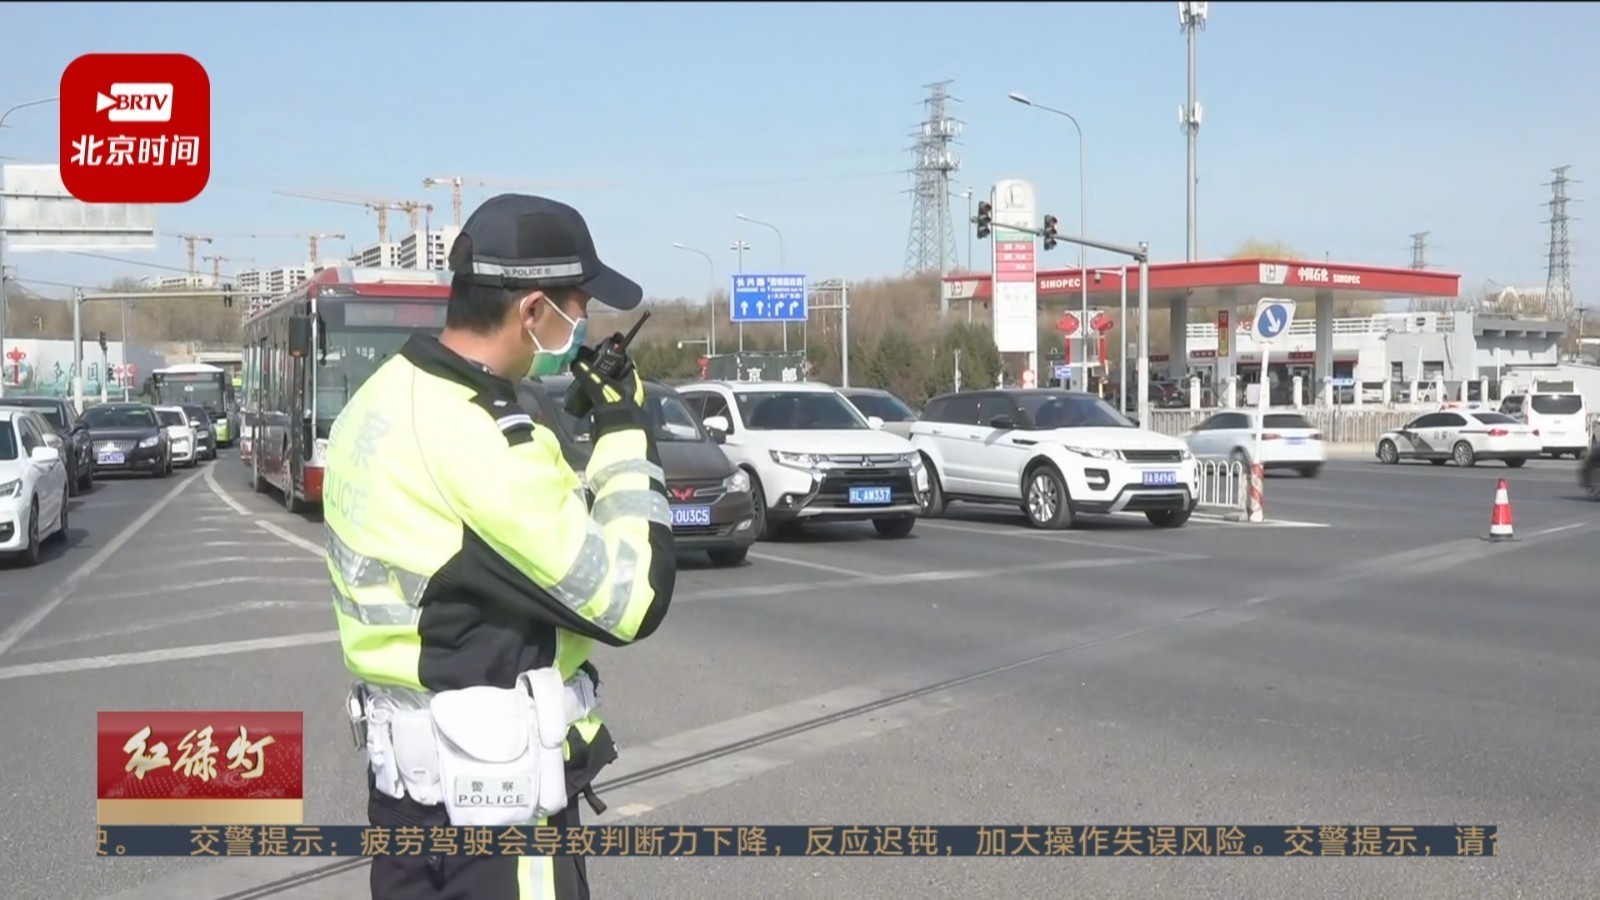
point(1419, 261)
point(1558, 267)
point(931, 243)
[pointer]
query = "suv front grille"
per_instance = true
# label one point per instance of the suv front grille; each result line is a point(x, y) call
point(1152, 456)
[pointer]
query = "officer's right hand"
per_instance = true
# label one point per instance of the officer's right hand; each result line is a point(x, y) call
point(617, 402)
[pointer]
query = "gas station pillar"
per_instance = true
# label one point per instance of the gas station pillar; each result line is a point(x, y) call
point(1322, 368)
point(1178, 329)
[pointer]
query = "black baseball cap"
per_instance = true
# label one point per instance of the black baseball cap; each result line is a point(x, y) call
point(520, 241)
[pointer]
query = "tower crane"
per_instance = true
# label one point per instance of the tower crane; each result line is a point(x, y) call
point(457, 182)
point(378, 205)
point(314, 239)
point(190, 240)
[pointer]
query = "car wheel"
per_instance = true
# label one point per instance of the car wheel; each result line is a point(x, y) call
point(1463, 455)
point(764, 529)
point(86, 479)
point(74, 483)
point(1240, 457)
point(1310, 471)
point(1169, 518)
point(727, 557)
point(1388, 453)
point(1044, 499)
point(61, 530)
point(895, 527)
point(30, 552)
point(1516, 462)
point(1590, 479)
point(933, 506)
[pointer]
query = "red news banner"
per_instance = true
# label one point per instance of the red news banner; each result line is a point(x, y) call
point(135, 128)
point(200, 768)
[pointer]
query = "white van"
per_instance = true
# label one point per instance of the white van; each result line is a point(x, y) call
point(1561, 419)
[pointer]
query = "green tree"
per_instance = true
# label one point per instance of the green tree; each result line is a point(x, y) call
point(1259, 249)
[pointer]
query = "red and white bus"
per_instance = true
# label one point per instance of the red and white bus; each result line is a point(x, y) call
point(307, 352)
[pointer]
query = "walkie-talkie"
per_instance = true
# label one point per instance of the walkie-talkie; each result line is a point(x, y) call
point(610, 360)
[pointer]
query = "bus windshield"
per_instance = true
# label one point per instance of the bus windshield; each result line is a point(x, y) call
point(351, 356)
point(202, 388)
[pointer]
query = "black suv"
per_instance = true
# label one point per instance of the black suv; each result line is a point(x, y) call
point(76, 449)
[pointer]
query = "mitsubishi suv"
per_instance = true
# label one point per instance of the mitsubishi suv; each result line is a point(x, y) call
point(811, 455)
point(1056, 454)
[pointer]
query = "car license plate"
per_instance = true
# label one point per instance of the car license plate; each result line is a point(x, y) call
point(863, 496)
point(1160, 478)
point(109, 458)
point(1295, 442)
point(690, 515)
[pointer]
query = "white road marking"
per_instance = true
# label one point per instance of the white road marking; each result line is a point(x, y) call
point(228, 648)
point(62, 591)
point(808, 564)
point(1560, 528)
point(207, 562)
point(211, 482)
point(1056, 537)
point(180, 587)
point(287, 536)
point(185, 618)
point(1268, 523)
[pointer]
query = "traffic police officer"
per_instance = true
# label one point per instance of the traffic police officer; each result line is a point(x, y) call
point(471, 577)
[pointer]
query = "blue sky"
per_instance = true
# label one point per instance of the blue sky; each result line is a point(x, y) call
point(1337, 128)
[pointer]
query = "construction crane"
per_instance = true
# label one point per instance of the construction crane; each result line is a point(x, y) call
point(456, 182)
point(216, 266)
point(315, 240)
point(190, 240)
point(381, 206)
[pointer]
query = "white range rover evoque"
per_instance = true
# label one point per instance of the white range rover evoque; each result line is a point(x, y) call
point(811, 456)
point(1055, 453)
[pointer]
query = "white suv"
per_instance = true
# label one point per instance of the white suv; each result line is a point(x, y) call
point(811, 455)
point(1056, 453)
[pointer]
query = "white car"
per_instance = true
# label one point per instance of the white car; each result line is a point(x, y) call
point(1288, 441)
point(1465, 436)
point(185, 444)
point(811, 455)
point(33, 484)
point(896, 416)
point(1055, 453)
point(1561, 420)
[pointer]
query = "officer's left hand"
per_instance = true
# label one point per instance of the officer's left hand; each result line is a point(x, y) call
point(617, 402)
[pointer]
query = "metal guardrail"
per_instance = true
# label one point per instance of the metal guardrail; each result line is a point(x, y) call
point(1338, 424)
point(1224, 487)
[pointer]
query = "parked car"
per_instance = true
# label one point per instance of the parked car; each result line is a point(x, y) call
point(1465, 436)
point(712, 510)
point(128, 437)
point(1288, 440)
point(205, 431)
point(1055, 453)
point(1559, 418)
point(882, 409)
point(76, 450)
point(180, 435)
point(811, 456)
point(33, 484)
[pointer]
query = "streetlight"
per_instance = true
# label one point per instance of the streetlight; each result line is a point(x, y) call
point(739, 247)
point(1122, 335)
point(4, 302)
point(711, 298)
point(1082, 275)
point(781, 264)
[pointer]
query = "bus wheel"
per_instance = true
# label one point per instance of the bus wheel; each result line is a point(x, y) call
point(292, 501)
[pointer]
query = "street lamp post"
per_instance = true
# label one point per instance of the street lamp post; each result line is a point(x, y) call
point(739, 247)
point(711, 298)
point(781, 263)
point(4, 302)
point(1122, 335)
point(1082, 204)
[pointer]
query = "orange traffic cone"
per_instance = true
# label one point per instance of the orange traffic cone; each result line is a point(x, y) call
point(1500, 521)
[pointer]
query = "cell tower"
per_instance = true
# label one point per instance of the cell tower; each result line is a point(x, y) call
point(1558, 267)
point(931, 244)
point(1192, 17)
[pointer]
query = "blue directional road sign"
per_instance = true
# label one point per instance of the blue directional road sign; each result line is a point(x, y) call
point(769, 298)
point(1272, 319)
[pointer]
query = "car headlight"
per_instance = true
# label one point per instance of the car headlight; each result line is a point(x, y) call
point(1183, 453)
point(798, 460)
point(149, 442)
point(1093, 452)
point(12, 488)
point(912, 459)
point(737, 483)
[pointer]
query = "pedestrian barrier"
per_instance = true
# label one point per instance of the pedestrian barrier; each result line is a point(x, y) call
point(1224, 487)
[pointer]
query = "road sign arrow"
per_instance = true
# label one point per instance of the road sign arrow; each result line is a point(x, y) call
point(744, 307)
point(794, 307)
point(761, 307)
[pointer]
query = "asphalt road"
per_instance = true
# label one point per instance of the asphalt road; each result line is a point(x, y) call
point(1362, 657)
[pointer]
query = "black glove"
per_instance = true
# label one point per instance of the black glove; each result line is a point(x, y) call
point(615, 394)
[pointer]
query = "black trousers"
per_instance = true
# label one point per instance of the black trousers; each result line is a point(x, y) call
point(467, 877)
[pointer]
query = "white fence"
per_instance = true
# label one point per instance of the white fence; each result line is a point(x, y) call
point(1224, 487)
point(1338, 424)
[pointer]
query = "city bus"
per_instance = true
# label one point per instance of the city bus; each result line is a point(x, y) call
point(204, 385)
point(307, 352)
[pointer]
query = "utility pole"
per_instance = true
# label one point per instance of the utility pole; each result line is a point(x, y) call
point(1558, 265)
point(1192, 17)
point(931, 241)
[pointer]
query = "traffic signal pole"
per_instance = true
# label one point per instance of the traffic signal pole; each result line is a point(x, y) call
point(79, 298)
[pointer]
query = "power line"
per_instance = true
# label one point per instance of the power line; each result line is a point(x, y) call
point(931, 242)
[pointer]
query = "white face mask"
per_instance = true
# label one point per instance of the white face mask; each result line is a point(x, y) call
point(555, 360)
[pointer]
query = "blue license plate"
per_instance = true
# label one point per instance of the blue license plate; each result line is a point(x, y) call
point(1295, 442)
point(109, 459)
point(866, 496)
point(690, 515)
point(1160, 478)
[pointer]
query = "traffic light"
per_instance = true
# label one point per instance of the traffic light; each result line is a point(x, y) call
point(227, 295)
point(985, 217)
point(1049, 232)
point(102, 342)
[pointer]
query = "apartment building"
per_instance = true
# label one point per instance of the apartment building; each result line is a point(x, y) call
point(184, 282)
point(433, 252)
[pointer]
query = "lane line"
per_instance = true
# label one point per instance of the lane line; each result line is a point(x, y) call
point(289, 537)
point(281, 642)
point(808, 564)
point(224, 496)
point(1055, 537)
point(157, 624)
point(62, 591)
point(207, 563)
point(185, 586)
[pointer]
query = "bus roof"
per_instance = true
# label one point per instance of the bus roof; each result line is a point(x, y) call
point(415, 284)
point(188, 369)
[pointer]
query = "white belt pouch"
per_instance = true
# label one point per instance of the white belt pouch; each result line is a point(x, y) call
point(501, 751)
